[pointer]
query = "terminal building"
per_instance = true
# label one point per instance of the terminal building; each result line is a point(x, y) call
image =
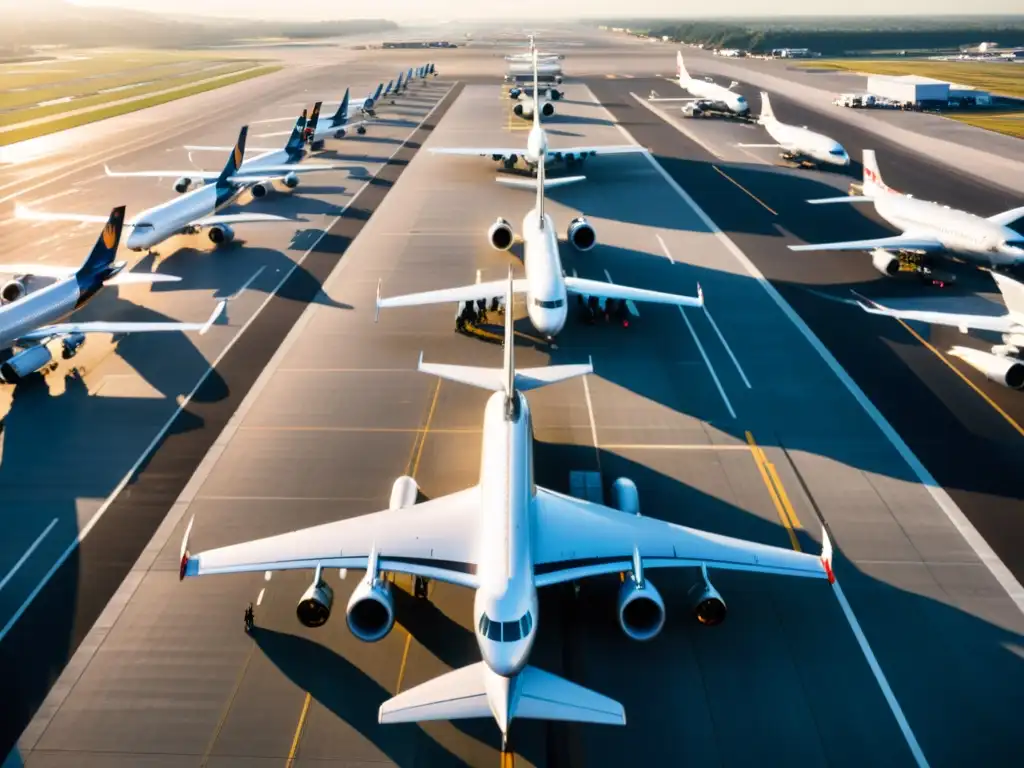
point(924, 91)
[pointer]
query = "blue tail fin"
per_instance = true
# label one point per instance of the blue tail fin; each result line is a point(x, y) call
point(298, 140)
point(235, 160)
point(99, 262)
point(341, 116)
point(391, 84)
point(376, 94)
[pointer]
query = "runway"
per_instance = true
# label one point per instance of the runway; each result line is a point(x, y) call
point(729, 419)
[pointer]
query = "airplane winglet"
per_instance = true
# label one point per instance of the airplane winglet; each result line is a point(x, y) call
point(419, 364)
point(217, 312)
point(700, 295)
point(590, 362)
point(376, 315)
point(184, 550)
point(826, 555)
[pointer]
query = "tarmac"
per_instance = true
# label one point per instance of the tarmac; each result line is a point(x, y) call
point(735, 419)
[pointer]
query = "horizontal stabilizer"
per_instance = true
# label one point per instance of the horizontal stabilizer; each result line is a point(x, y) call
point(493, 379)
point(1006, 218)
point(544, 696)
point(512, 181)
point(843, 199)
point(997, 323)
point(456, 695)
point(898, 243)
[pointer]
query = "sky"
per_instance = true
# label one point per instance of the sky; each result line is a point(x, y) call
point(406, 10)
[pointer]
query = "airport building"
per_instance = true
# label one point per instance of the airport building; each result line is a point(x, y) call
point(909, 89)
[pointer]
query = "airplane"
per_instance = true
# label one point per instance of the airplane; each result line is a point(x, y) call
point(537, 145)
point(707, 95)
point(504, 538)
point(517, 92)
point(336, 126)
point(799, 142)
point(31, 321)
point(545, 285)
point(197, 208)
point(1005, 363)
point(927, 228)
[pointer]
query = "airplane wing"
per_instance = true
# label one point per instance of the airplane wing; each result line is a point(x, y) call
point(433, 539)
point(899, 242)
point(576, 539)
point(998, 323)
point(242, 174)
point(502, 152)
point(1006, 218)
point(59, 273)
point(64, 329)
point(239, 218)
point(191, 173)
point(452, 295)
point(28, 214)
point(622, 149)
point(613, 291)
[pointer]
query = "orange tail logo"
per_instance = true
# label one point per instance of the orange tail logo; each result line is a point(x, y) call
point(110, 231)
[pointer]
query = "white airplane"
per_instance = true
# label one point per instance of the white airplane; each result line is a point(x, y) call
point(504, 538)
point(927, 228)
point(29, 322)
point(197, 209)
point(536, 146)
point(338, 125)
point(799, 142)
point(707, 96)
point(1005, 363)
point(545, 285)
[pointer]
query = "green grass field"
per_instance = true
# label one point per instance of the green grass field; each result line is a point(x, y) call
point(1010, 123)
point(71, 121)
point(1001, 79)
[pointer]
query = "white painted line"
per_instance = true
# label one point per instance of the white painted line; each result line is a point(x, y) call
point(664, 249)
point(869, 655)
point(671, 121)
point(707, 313)
point(949, 507)
point(707, 361)
point(188, 398)
point(259, 599)
point(629, 302)
point(590, 410)
point(248, 282)
point(268, 575)
point(28, 554)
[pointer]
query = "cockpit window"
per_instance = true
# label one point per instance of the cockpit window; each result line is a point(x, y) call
point(142, 225)
point(553, 304)
point(506, 631)
point(837, 152)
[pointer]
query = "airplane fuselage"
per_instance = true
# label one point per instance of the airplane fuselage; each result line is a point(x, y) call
point(154, 225)
point(546, 294)
point(719, 96)
point(43, 307)
point(959, 232)
point(806, 143)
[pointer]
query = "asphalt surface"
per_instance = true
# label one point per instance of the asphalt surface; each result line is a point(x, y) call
point(167, 677)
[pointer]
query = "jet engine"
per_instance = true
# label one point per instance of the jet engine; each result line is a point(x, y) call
point(708, 606)
point(523, 109)
point(581, 234)
point(26, 362)
point(181, 186)
point(12, 291)
point(547, 109)
point(341, 133)
point(291, 180)
point(317, 144)
point(624, 496)
point(515, 93)
point(71, 344)
point(885, 262)
point(641, 609)
point(555, 94)
point(1002, 369)
point(314, 608)
point(500, 235)
point(262, 189)
point(371, 610)
point(220, 234)
point(403, 493)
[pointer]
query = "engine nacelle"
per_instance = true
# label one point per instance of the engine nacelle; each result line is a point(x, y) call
point(71, 344)
point(403, 493)
point(641, 609)
point(24, 363)
point(12, 291)
point(515, 93)
point(181, 186)
point(220, 234)
point(547, 109)
point(261, 190)
point(708, 606)
point(523, 109)
point(1005, 370)
point(314, 608)
point(291, 180)
point(624, 496)
point(555, 94)
point(885, 262)
point(371, 610)
point(500, 235)
point(581, 234)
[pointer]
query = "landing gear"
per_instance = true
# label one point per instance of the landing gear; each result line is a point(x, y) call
point(509, 164)
point(508, 757)
point(420, 587)
point(249, 619)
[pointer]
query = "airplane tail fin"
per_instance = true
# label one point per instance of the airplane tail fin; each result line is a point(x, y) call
point(681, 73)
point(341, 115)
point(101, 258)
point(377, 93)
point(296, 141)
point(767, 115)
point(873, 184)
point(1013, 293)
point(235, 159)
point(506, 379)
point(476, 691)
